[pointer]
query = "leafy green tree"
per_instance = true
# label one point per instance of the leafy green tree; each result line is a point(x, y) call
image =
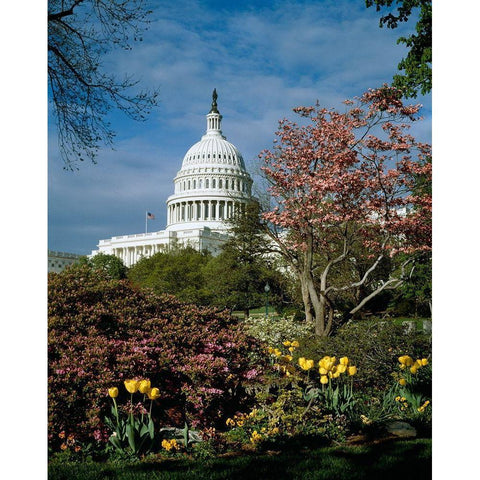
point(179, 272)
point(80, 33)
point(417, 65)
point(415, 295)
point(238, 276)
point(110, 265)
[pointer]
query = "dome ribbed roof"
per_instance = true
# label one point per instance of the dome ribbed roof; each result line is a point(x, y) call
point(213, 150)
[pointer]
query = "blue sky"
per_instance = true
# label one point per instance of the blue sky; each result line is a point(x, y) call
point(264, 58)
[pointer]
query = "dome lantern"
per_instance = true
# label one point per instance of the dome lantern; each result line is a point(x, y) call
point(214, 118)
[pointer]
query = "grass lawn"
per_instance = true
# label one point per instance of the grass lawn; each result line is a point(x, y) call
point(392, 460)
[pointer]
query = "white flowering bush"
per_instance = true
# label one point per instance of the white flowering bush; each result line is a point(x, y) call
point(274, 331)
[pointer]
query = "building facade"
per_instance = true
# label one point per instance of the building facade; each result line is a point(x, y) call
point(57, 261)
point(211, 186)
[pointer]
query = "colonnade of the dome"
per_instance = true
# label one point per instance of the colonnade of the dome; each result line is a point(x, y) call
point(203, 210)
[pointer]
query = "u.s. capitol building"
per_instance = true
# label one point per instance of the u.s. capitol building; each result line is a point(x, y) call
point(210, 187)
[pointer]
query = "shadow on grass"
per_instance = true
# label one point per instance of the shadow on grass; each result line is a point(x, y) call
point(392, 460)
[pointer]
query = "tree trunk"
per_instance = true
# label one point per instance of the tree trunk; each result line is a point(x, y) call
point(306, 302)
point(315, 305)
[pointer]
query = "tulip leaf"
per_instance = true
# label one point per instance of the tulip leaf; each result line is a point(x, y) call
point(185, 435)
point(151, 428)
point(144, 430)
point(115, 442)
point(131, 437)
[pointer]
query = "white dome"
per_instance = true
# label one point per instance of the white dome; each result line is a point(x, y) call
point(212, 183)
point(213, 150)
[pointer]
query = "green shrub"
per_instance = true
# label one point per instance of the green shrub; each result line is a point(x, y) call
point(373, 346)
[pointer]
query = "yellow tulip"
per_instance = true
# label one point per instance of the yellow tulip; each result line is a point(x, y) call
point(131, 385)
point(153, 394)
point(324, 360)
point(344, 361)
point(418, 363)
point(342, 368)
point(309, 364)
point(287, 343)
point(414, 369)
point(288, 358)
point(305, 364)
point(113, 392)
point(295, 344)
point(408, 361)
point(352, 370)
point(424, 361)
point(291, 349)
point(402, 382)
point(336, 374)
point(144, 386)
point(323, 379)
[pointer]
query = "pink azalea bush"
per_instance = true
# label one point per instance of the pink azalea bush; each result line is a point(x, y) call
point(103, 331)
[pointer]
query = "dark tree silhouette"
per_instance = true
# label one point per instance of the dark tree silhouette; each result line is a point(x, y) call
point(417, 65)
point(80, 33)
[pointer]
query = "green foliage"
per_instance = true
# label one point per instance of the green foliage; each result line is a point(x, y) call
point(204, 450)
point(130, 432)
point(373, 346)
point(237, 277)
point(414, 297)
point(338, 398)
point(417, 65)
point(178, 272)
point(109, 265)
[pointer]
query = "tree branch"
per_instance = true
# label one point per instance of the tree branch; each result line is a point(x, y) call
point(64, 13)
point(390, 284)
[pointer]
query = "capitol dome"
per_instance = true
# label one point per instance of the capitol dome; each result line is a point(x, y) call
point(212, 183)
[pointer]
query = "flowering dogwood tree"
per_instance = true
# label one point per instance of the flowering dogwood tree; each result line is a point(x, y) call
point(344, 193)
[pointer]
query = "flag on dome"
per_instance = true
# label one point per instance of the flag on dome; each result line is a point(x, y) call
point(150, 216)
